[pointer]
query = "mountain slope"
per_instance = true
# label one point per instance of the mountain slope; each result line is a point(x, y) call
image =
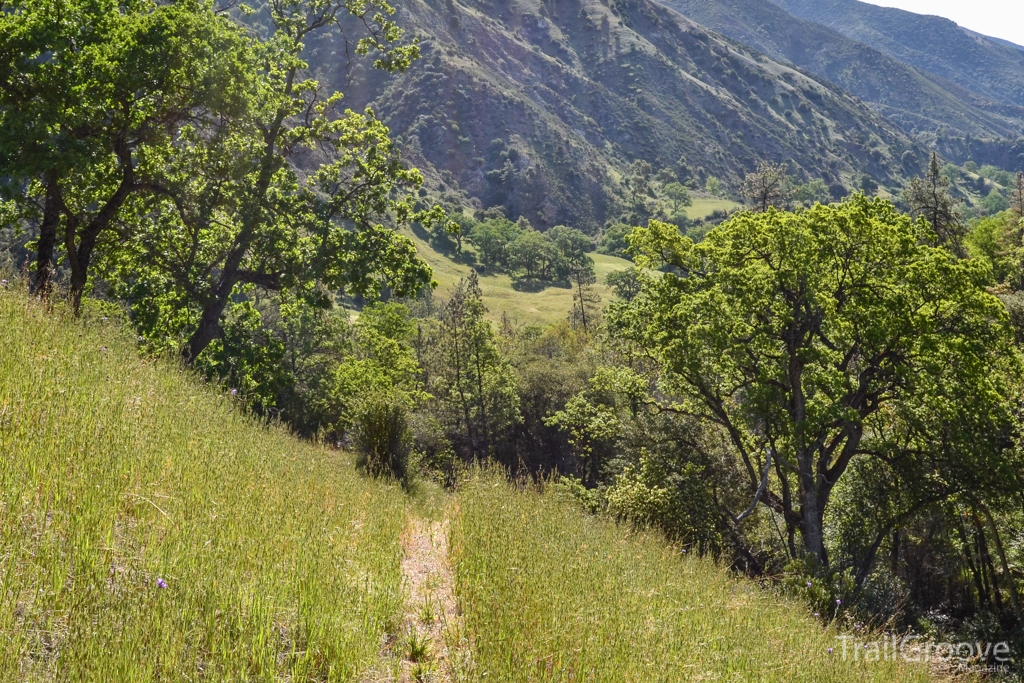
point(916, 100)
point(540, 108)
point(933, 44)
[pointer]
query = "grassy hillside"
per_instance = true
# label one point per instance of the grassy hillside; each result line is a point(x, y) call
point(549, 595)
point(118, 477)
point(148, 532)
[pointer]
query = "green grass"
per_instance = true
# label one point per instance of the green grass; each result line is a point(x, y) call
point(280, 562)
point(704, 206)
point(550, 305)
point(550, 595)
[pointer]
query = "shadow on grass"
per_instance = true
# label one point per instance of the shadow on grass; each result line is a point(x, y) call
point(534, 285)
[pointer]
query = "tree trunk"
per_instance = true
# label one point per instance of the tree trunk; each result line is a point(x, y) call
point(813, 513)
point(209, 328)
point(47, 242)
point(1014, 595)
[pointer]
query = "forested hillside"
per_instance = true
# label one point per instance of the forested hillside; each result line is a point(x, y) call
point(541, 108)
point(935, 45)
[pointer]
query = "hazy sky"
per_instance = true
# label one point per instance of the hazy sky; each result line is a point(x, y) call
point(999, 18)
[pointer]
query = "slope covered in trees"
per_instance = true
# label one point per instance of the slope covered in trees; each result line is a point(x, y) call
point(935, 45)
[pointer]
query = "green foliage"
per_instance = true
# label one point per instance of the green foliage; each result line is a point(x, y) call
point(679, 196)
point(660, 492)
point(713, 186)
point(492, 239)
point(472, 386)
point(627, 284)
point(613, 241)
point(995, 202)
point(96, 94)
point(382, 433)
point(534, 256)
point(997, 175)
point(814, 192)
point(180, 166)
point(845, 336)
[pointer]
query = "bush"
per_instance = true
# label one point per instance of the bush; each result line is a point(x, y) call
point(382, 434)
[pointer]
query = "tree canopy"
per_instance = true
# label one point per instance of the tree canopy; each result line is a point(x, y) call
point(817, 338)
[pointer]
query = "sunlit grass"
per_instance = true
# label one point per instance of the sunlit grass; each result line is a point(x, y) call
point(551, 595)
point(119, 477)
point(547, 306)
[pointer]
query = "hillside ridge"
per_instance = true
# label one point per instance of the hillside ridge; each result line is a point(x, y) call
point(541, 108)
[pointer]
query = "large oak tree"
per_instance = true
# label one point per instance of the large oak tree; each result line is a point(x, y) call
point(817, 338)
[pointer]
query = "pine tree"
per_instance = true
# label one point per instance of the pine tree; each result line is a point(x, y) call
point(929, 197)
point(471, 380)
point(766, 187)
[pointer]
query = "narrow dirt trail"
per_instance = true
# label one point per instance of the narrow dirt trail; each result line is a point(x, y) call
point(430, 624)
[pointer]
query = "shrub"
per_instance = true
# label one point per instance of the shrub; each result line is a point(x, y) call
point(382, 434)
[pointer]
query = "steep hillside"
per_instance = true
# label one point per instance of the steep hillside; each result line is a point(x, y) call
point(914, 99)
point(151, 532)
point(541, 107)
point(935, 45)
point(549, 595)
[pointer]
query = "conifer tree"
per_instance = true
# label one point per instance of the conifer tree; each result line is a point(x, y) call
point(929, 197)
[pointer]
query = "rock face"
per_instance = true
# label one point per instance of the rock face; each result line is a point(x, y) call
point(541, 107)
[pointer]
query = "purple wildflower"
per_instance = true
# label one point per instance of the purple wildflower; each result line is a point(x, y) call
point(816, 614)
point(830, 650)
point(160, 583)
point(838, 601)
point(234, 392)
point(809, 584)
point(3, 283)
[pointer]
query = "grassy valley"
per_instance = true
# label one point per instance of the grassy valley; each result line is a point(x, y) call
point(533, 305)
